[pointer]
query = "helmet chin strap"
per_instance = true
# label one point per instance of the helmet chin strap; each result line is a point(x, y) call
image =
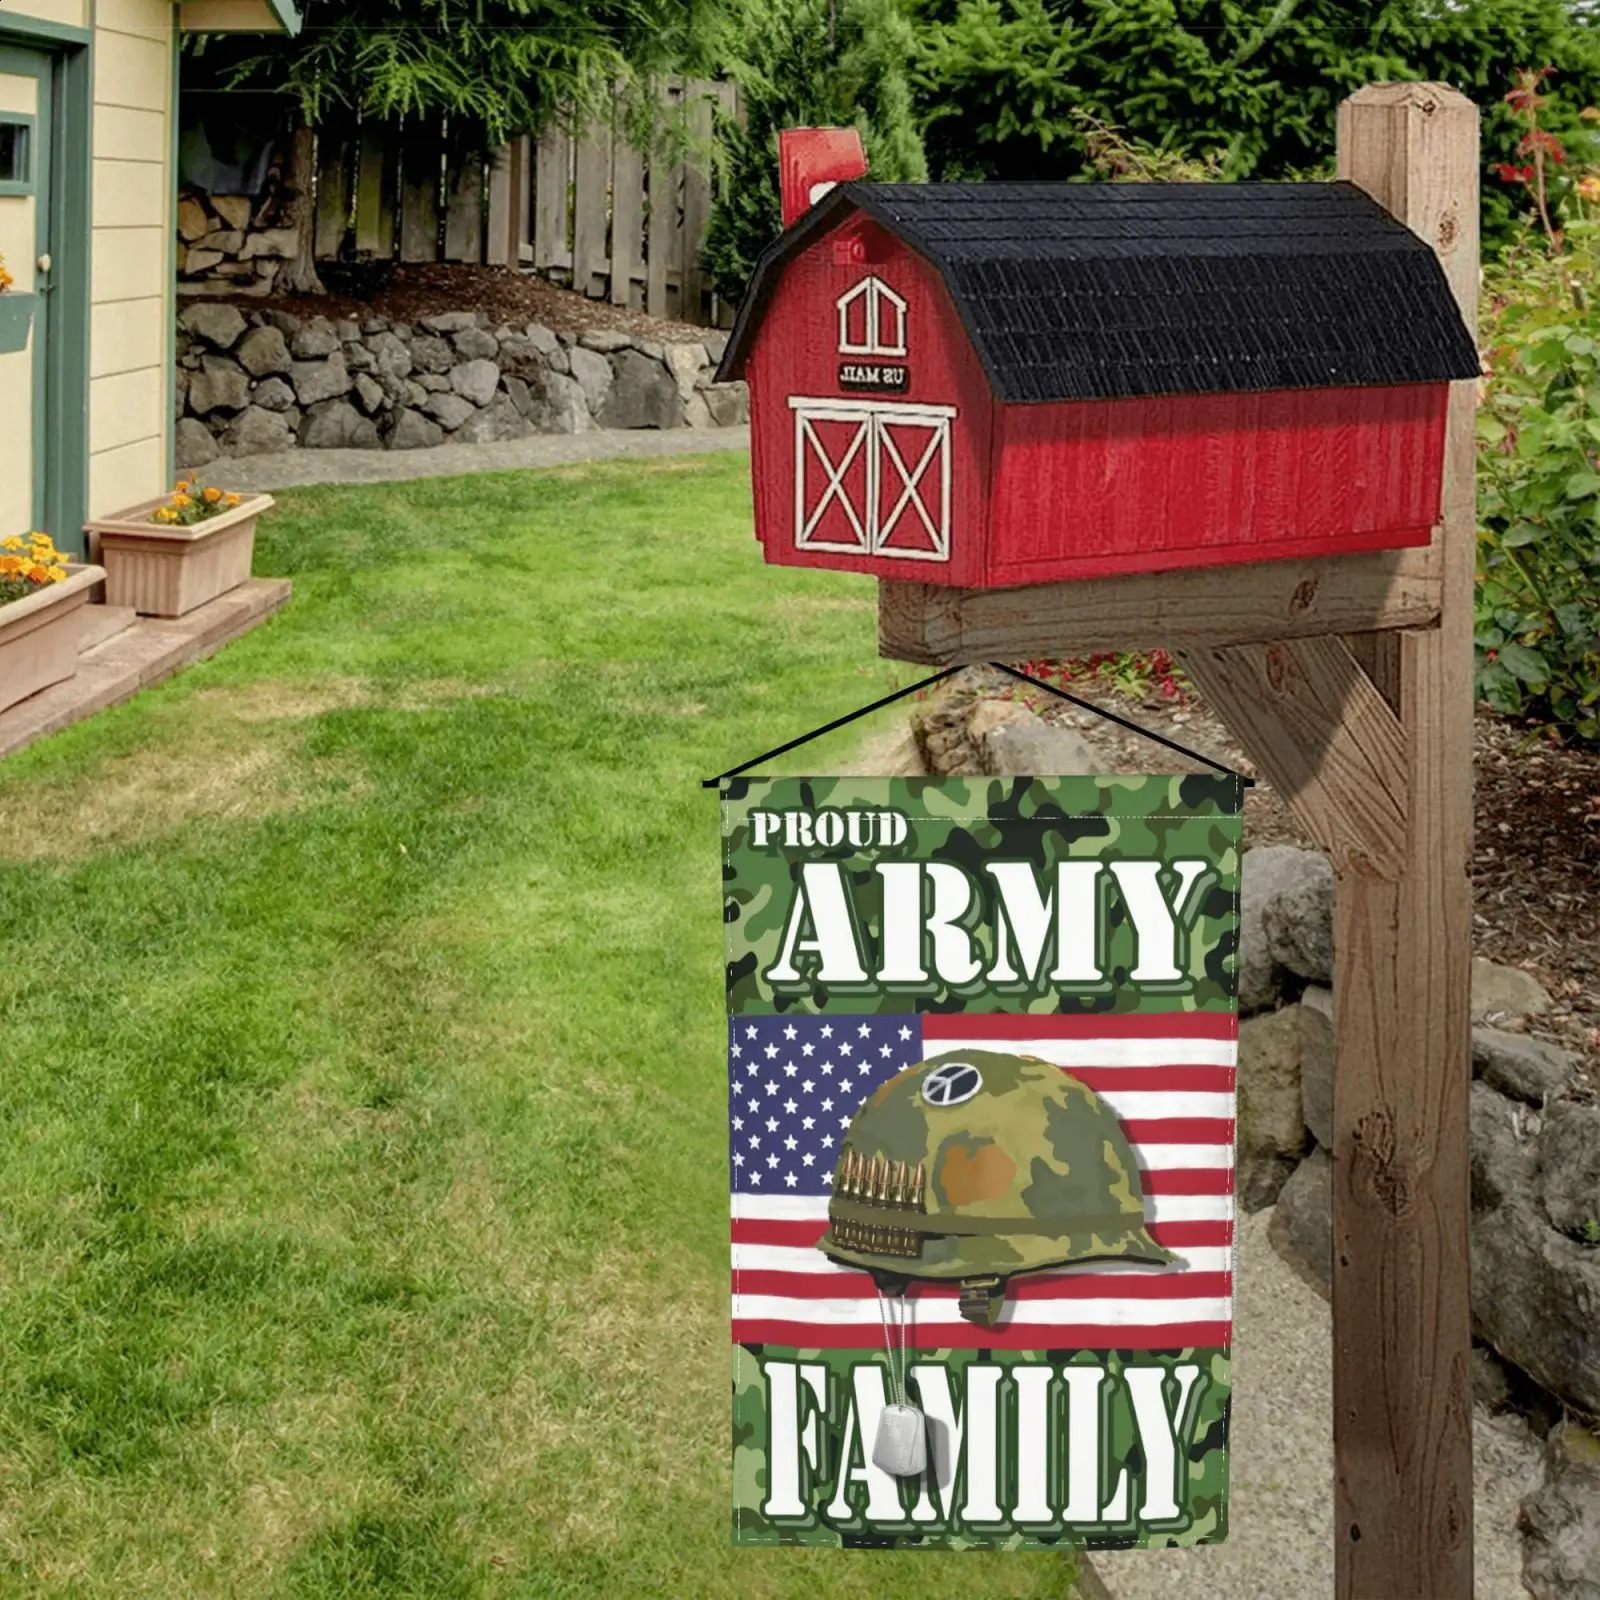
point(983, 1300)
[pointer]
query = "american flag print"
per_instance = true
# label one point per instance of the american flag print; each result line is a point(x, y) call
point(796, 1081)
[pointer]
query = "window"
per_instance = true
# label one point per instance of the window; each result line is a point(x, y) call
point(16, 154)
point(872, 320)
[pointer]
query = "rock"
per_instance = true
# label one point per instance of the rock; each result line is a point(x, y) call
point(192, 444)
point(1527, 1068)
point(1044, 750)
point(315, 381)
point(476, 344)
point(476, 381)
point(653, 348)
point(370, 393)
point(264, 351)
point(542, 339)
point(1569, 1170)
point(450, 322)
point(605, 340)
point(716, 342)
point(987, 715)
point(1536, 1298)
point(192, 220)
point(272, 394)
point(521, 395)
point(1264, 872)
point(391, 356)
point(372, 325)
point(227, 241)
point(449, 410)
point(197, 260)
point(431, 354)
point(1316, 1063)
point(348, 329)
point(413, 431)
point(1502, 1157)
point(357, 358)
point(219, 385)
point(258, 432)
point(518, 357)
point(314, 340)
point(685, 362)
point(1268, 1083)
point(1260, 1178)
point(593, 374)
point(278, 243)
point(1500, 992)
point(1491, 1378)
point(1561, 1519)
point(234, 209)
point(559, 406)
point(1301, 1230)
point(286, 322)
point(413, 393)
point(1298, 921)
point(431, 382)
point(696, 413)
point(728, 403)
point(219, 326)
point(180, 393)
point(506, 420)
point(402, 331)
point(337, 425)
point(567, 340)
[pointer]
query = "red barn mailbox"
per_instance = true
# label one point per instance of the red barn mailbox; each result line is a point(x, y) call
point(1000, 384)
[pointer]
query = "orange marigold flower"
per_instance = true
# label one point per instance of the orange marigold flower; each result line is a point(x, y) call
point(1589, 188)
point(212, 496)
point(234, 499)
point(182, 500)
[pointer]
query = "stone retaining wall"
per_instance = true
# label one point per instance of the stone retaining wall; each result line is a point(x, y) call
point(258, 382)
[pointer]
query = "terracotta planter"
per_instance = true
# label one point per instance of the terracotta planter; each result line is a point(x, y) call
point(39, 635)
point(166, 572)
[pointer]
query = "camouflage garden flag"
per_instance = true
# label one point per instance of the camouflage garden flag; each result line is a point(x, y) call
point(981, 1049)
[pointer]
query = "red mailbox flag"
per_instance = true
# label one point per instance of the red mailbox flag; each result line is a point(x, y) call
point(811, 161)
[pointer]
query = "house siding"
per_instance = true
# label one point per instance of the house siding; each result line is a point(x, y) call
point(130, 417)
point(16, 369)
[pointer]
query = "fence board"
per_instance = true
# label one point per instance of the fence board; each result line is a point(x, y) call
point(419, 193)
point(463, 222)
point(333, 188)
point(498, 243)
point(627, 219)
point(552, 165)
point(375, 172)
point(591, 195)
point(696, 200)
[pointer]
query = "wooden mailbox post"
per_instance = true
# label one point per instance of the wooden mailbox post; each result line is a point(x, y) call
point(1348, 678)
point(1218, 419)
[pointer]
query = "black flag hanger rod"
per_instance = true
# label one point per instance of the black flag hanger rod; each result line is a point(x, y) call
point(939, 677)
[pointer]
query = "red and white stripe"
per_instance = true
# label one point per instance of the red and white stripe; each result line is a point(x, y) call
point(1170, 1079)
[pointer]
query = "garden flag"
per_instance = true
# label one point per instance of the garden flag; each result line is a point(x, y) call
point(981, 1048)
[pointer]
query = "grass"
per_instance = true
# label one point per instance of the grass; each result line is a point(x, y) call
point(362, 1210)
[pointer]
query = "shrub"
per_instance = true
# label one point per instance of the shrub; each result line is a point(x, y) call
point(807, 63)
point(1538, 598)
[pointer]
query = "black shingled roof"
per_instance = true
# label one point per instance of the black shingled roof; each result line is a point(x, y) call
point(1096, 291)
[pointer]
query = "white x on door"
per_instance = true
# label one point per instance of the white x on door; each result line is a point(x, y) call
point(872, 477)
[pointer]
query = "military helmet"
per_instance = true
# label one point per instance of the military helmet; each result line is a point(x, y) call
point(977, 1166)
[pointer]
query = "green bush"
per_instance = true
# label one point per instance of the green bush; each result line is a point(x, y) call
point(1538, 603)
point(807, 63)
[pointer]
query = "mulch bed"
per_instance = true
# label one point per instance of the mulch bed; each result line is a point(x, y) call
point(505, 296)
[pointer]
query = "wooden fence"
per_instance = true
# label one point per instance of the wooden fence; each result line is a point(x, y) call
point(580, 205)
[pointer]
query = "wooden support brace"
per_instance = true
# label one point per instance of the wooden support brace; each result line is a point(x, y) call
point(1323, 735)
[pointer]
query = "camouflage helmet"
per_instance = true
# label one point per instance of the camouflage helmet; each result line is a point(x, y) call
point(977, 1166)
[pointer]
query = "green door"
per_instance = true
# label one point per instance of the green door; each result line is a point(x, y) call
point(29, 491)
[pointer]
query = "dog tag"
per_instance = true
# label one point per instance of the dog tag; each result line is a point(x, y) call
point(901, 1448)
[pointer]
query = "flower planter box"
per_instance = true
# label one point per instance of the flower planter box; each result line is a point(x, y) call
point(39, 635)
point(16, 318)
point(165, 571)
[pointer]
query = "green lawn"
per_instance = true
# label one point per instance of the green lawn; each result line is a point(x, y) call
point(362, 1206)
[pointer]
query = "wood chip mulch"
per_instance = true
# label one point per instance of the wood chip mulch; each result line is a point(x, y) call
point(504, 295)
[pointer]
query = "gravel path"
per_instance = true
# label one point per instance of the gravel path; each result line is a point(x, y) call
point(294, 468)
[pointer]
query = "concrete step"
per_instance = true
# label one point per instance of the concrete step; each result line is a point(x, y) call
point(140, 653)
point(102, 622)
